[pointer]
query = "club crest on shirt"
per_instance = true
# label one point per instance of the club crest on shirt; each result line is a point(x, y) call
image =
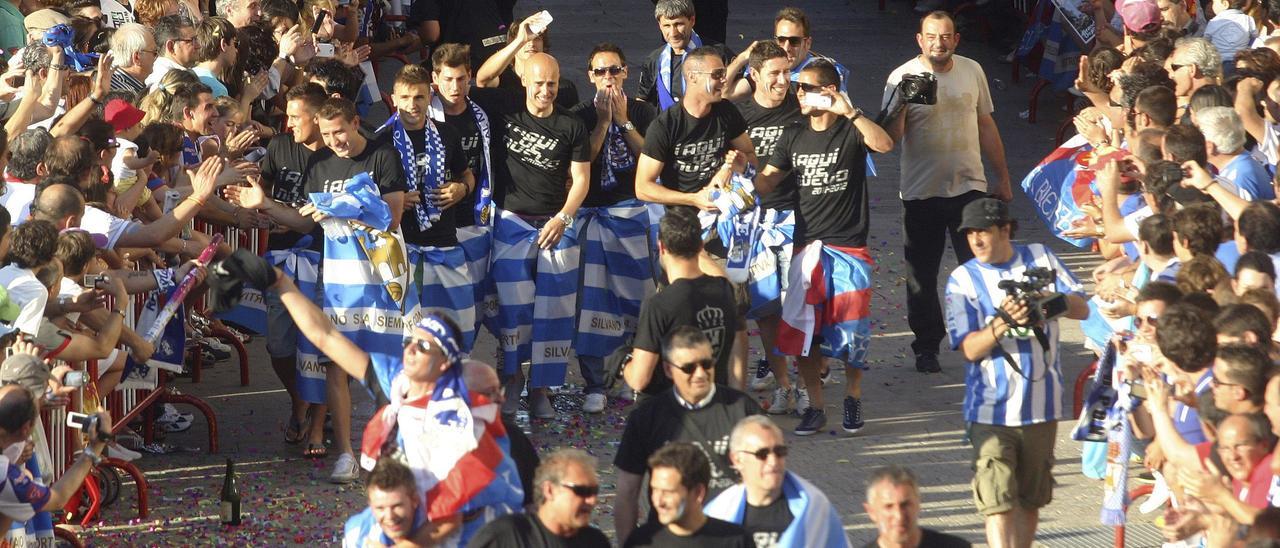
point(711, 321)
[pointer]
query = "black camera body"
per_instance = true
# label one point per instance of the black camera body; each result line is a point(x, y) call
point(919, 89)
point(1030, 292)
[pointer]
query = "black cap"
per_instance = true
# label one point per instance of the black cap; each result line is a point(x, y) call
point(984, 213)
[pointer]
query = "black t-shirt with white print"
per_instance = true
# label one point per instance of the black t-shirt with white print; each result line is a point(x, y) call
point(692, 149)
point(328, 172)
point(707, 303)
point(640, 114)
point(765, 524)
point(442, 233)
point(764, 126)
point(532, 162)
point(284, 168)
point(470, 137)
point(832, 180)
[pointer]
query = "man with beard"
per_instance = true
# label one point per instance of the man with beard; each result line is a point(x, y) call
point(566, 490)
point(678, 476)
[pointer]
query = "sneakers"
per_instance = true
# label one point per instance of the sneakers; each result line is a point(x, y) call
point(116, 451)
point(344, 470)
point(811, 421)
point(540, 405)
point(852, 415)
point(802, 399)
point(170, 420)
point(783, 401)
point(764, 376)
point(594, 403)
point(215, 347)
point(927, 362)
point(1145, 478)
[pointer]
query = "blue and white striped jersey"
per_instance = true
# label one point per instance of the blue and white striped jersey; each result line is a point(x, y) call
point(996, 393)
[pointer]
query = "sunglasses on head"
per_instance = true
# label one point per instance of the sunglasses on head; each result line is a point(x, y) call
point(583, 491)
point(612, 70)
point(422, 344)
point(689, 368)
point(789, 40)
point(763, 452)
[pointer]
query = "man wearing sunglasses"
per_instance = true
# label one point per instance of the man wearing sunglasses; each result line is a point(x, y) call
point(696, 411)
point(776, 507)
point(566, 490)
point(791, 33)
point(175, 35)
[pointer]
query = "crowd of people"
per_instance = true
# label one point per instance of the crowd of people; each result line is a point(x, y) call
point(638, 234)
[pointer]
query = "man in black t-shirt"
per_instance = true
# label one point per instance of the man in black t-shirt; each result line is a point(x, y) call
point(693, 298)
point(566, 490)
point(613, 225)
point(661, 83)
point(349, 153)
point(438, 178)
point(828, 154)
point(769, 110)
point(535, 246)
point(776, 507)
point(695, 410)
point(278, 192)
point(678, 484)
point(893, 504)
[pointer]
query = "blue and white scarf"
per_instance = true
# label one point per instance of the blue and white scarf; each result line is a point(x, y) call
point(484, 179)
point(665, 98)
point(432, 174)
point(617, 275)
point(735, 222)
point(814, 521)
point(617, 157)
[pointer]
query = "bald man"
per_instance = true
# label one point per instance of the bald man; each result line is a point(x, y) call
point(61, 204)
point(535, 247)
point(481, 378)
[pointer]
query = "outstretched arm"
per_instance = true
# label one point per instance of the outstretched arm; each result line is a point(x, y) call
point(313, 323)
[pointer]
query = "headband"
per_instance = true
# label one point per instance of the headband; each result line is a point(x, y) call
point(434, 324)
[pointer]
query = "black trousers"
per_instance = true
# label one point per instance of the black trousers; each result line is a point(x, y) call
point(927, 223)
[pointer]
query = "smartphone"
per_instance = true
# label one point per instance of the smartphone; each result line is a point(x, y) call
point(254, 154)
point(817, 100)
point(540, 21)
point(91, 280)
point(324, 49)
point(319, 21)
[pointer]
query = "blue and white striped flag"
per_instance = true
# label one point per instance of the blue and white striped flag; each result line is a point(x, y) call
point(476, 242)
point(445, 282)
point(616, 275)
point(533, 283)
point(303, 265)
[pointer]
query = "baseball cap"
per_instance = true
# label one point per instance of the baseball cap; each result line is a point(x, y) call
point(44, 19)
point(122, 115)
point(1140, 15)
point(984, 213)
point(8, 311)
point(26, 371)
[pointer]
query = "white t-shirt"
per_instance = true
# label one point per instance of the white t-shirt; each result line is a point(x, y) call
point(1134, 220)
point(17, 198)
point(940, 152)
point(97, 221)
point(1231, 31)
point(118, 170)
point(70, 289)
point(28, 293)
point(161, 67)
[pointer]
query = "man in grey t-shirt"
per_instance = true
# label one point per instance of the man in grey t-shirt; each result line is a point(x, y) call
point(941, 170)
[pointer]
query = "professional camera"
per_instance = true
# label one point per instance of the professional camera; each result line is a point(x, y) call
point(919, 89)
point(1030, 291)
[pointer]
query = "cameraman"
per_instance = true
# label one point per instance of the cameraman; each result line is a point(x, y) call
point(1014, 382)
point(942, 147)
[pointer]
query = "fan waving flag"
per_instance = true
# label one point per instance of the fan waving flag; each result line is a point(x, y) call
point(1059, 186)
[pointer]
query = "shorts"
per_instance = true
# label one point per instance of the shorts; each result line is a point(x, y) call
point(1012, 466)
point(282, 333)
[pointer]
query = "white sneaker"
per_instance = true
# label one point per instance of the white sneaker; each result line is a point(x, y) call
point(1160, 494)
point(116, 451)
point(782, 402)
point(344, 470)
point(594, 403)
point(763, 377)
point(802, 399)
point(170, 413)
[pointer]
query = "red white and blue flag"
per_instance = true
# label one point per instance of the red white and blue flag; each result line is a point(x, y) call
point(1060, 185)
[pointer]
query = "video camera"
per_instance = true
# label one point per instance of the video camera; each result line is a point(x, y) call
point(88, 424)
point(1030, 292)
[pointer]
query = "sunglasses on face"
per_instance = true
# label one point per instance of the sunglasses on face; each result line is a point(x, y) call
point(422, 345)
point(612, 70)
point(789, 40)
point(717, 74)
point(689, 368)
point(763, 452)
point(1153, 321)
point(582, 491)
point(809, 88)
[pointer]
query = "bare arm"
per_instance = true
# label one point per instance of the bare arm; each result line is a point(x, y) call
point(768, 179)
point(738, 361)
point(171, 223)
point(639, 371)
point(395, 200)
point(1200, 180)
point(647, 188)
point(735, 86)
point(626, 508)
point(1246, 106)
point(487, 75)
point(315, 324)
point(432, 533)
point(993, 150)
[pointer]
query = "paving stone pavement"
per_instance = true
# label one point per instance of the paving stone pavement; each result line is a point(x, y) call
point(912, 419)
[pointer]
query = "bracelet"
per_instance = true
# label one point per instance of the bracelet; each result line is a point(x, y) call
point(184, 247)
point(122, 313)
point(95, 100)
point(196, 200)
point(55, 66)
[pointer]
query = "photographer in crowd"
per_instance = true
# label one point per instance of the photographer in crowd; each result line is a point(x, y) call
point(1013, 381)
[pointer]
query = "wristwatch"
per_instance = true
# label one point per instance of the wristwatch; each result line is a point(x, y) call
point(629, 126)
point(857, 113)
point(562, 217)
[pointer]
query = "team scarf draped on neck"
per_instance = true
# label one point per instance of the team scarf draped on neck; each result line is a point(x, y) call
point(483, 210)
point(617, 157)
point(430, 177)
point(815, 522)
point(665, 99)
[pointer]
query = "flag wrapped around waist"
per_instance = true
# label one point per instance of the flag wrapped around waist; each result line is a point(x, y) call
point(829, 294)
point(303, 265)
point(476, 242)
point(1058, 187)
point(770, 261)
point(533, 283)
point(445, 282)
point(815, 522)
point(616, 275)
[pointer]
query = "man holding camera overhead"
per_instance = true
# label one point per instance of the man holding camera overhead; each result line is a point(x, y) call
point(1002, 310)
point(938, 104)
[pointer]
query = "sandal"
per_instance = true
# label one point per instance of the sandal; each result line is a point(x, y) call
point(293, 433)
point(315, 451)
